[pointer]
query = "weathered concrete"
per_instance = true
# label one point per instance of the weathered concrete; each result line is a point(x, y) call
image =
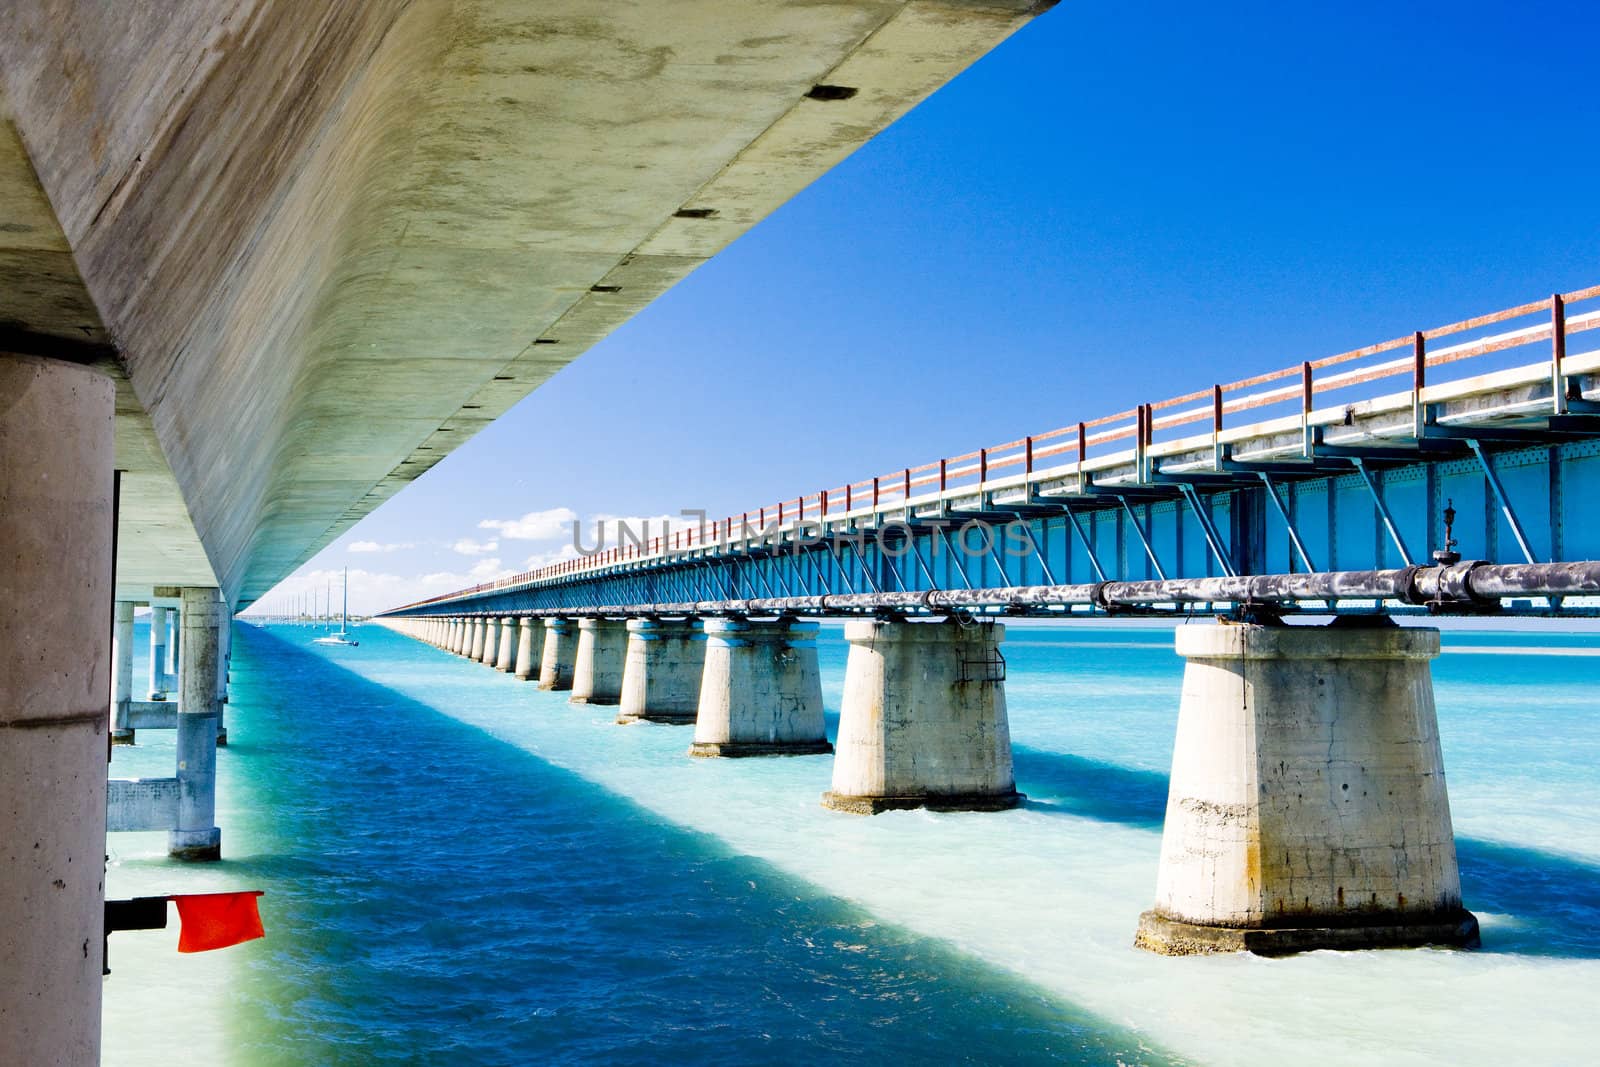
point(195, 835)
point(122, 673)
point(923, 720)
point(597, 668)
point(153, 715)
point(760, 692)
point(310, 236)
point(475, 649)
point(141, 804)
point(159, 682)
point(56, 458)
point(224, 643)
point(1308, 806)
point(560, 654)
point(661, 670)
point(530, 647)
point(491, 641)
point(174, 645)
point(506, 651)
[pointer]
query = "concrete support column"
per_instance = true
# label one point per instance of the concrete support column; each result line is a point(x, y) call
point(174, 648)
point(122, 673)
point(1307, 806)
point(491, 637)
point(923, 720)
point(224, 643)
point(530, 647)
point(761, 692)
point(506, 650)
point(56, 457)
point(597, 671)
point(463, 639)
point(560, 653)
point(197, 836)
point(661, 671)
point(158, 653)
point(452, 640)
point(475, 649)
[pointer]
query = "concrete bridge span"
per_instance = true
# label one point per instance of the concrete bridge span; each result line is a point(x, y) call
point(264, 262)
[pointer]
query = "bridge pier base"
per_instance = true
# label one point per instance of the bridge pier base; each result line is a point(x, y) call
point(196, 837)
point(460, 636)
point(491, 638)
point(474, 650)
point(122, 732)
point(506, 651)
point(560, 652)
point(661, 671)
point(597, 670)
point(923, 720)
point(530, 647)
point(1308, 806)
point(760, 693)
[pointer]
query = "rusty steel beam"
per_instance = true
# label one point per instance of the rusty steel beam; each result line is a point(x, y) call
point(1467, 586)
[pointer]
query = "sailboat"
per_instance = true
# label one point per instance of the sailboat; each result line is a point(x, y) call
point(343, 636)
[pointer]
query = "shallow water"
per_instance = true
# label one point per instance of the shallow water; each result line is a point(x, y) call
point(463, 869)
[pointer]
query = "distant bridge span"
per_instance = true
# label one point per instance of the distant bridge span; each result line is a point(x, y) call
point(1332, 497)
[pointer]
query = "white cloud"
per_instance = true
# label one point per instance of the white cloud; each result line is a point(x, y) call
point(374, 546)
point(468, 547)
point(534, 526)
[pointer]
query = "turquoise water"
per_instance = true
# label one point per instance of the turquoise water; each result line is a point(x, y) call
point(461, 869)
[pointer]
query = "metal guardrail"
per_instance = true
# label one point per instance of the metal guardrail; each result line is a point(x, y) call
point(1139, 430)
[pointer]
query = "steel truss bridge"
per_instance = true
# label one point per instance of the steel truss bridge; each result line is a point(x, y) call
point(1453, 469)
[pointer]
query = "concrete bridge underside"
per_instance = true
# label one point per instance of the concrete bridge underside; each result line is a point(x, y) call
point(319, 248)
point(273, 260)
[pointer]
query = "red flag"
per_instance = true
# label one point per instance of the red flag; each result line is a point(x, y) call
point(217, 920)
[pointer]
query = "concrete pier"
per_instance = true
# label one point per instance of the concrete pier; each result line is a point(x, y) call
point(662, 665)
point(122, 732)
point(174, 646)
point(597, 670)
point(923, 720)
point(530, 647)
point(196, 836)
point(457, 634)
point(475, 649)
point(56, 456)
point(760, 691)
point(506, 651)
point(1308, 806)
point(159, 683)
point(224, 643)
point(560, 654)
point(491, 631)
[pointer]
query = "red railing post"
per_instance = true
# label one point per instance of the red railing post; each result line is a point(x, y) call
point(874, 491)
point(1027, 455)
point(983, 465)
point(1558, 353)
point(1419, 379)
point(1083, 446)
point(942, 480)
point(1216, 427)
point(908, 484)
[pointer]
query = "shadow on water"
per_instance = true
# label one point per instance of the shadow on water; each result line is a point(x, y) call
point(437, 895)
point(1553, 901)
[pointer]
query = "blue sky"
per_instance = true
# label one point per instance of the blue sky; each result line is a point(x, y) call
point(1122, 202)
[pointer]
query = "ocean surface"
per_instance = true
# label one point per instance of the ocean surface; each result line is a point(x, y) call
point(460, 869)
